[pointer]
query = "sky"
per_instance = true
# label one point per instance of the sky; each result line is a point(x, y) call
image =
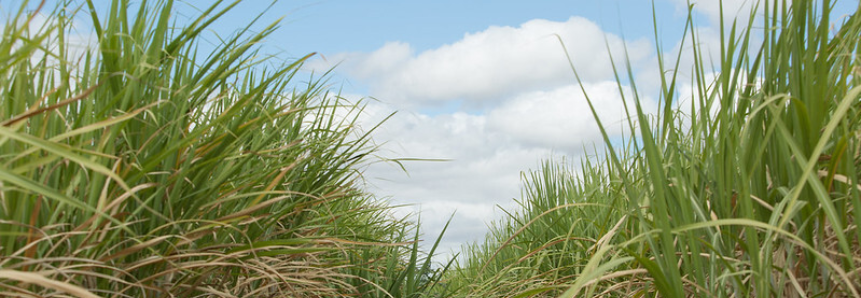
point(482, 90)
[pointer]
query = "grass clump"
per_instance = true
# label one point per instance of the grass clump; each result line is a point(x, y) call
point(147, 168)
point(750, 189)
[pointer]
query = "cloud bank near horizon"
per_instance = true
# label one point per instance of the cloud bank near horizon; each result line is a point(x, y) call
point(493, 104)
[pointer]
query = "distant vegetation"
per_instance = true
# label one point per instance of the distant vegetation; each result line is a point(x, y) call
point(147, 168)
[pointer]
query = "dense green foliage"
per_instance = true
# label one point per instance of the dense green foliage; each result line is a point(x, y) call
point(147, 168)
point(750, 189)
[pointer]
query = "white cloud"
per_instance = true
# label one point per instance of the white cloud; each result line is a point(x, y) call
point(490, 65)
point(561, 118)
point(485, 154)
point(530, 110)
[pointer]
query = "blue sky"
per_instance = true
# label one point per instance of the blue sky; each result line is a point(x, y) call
point(482, 84)
point(341, 26)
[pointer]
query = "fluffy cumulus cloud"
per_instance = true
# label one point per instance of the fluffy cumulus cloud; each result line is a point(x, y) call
point(561, 118)
point(526, 107)
point(489, 65)
point(477, 171)
point(480, 157)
